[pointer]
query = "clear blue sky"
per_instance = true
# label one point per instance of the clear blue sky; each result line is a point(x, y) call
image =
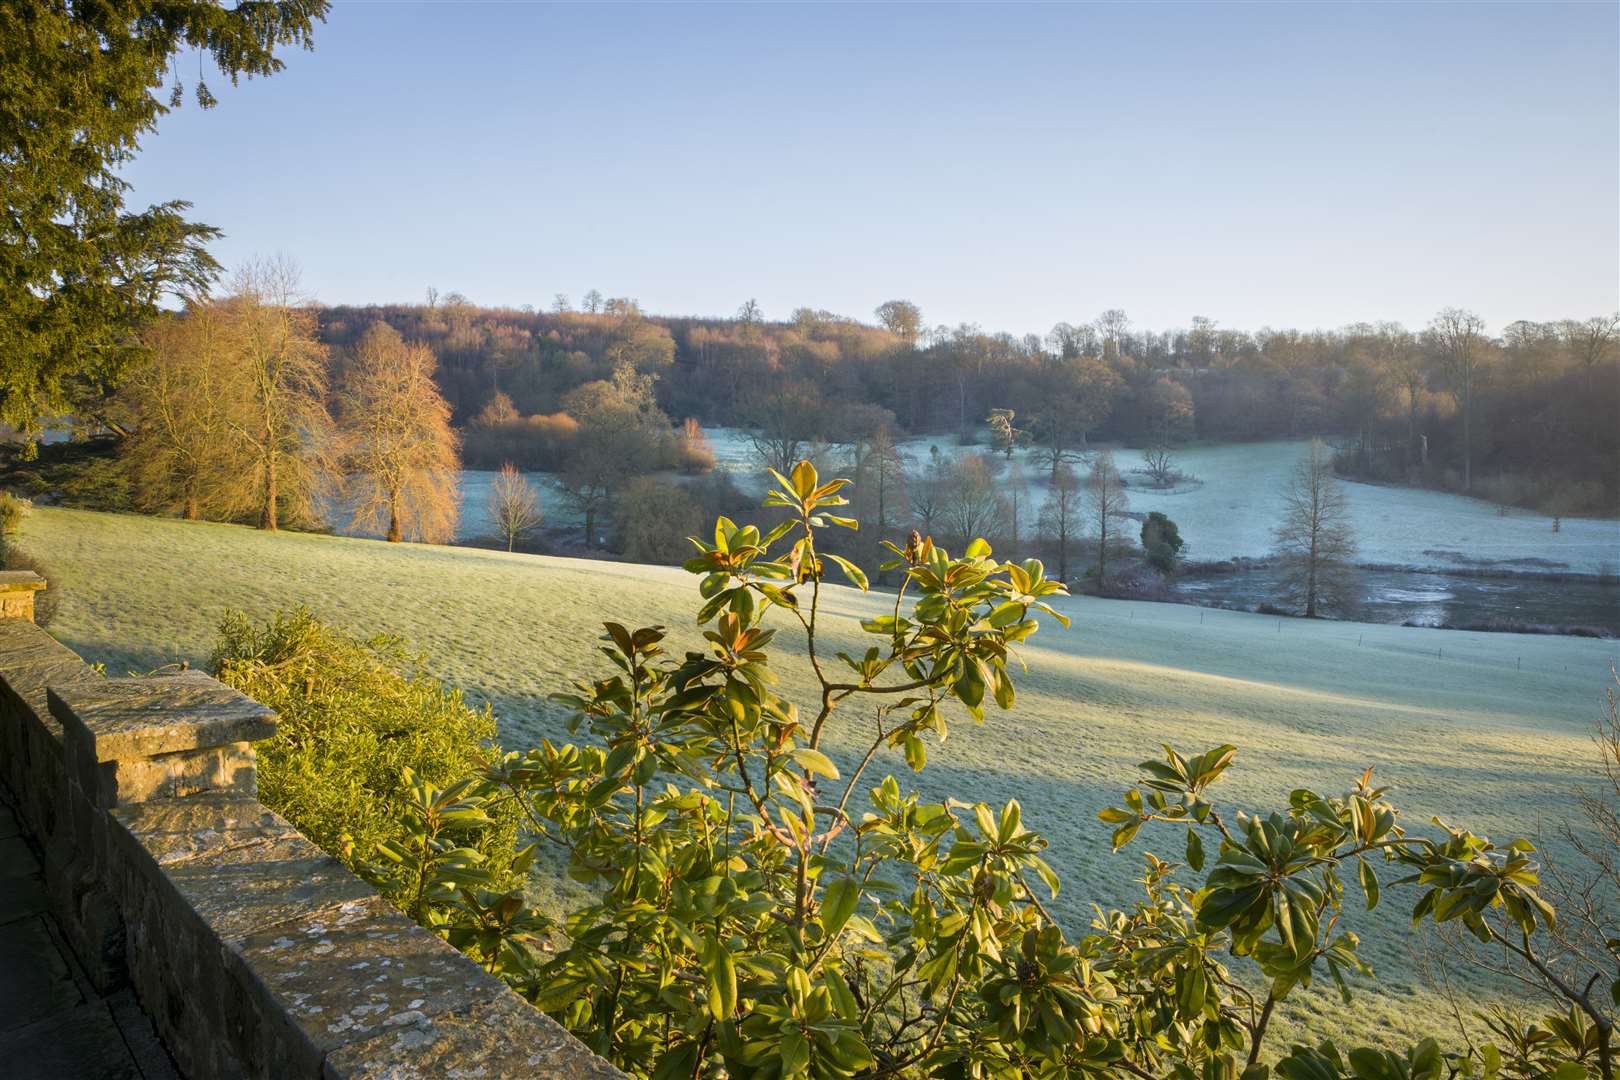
point(1009, 165)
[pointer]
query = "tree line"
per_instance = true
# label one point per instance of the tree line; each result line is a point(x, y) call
point(1523, 417)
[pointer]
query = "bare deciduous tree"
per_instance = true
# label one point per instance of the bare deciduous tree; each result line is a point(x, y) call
point(1160, 464)
point(183, 452)
point(1076, 396)
point(401, 456)
point(1105, 502)
point(879, 471)
point(1015, 495)
point(284, 422)
point(1061, 516)
point(1459, 339)
point(927, 489)
point(785, 419)
point(514, 506)
point(1112, 326)
point(1315, 537)
point(970, 506)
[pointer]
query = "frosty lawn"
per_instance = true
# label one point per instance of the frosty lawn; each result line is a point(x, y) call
point(1236, 505)
point(1491, 730)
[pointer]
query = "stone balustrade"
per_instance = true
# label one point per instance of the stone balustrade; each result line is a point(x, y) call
point(255, 953)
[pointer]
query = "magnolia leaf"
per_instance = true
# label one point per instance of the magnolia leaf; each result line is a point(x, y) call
point(816, 762)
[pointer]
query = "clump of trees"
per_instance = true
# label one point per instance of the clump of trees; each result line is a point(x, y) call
point(812, 921)
point(622, 435)
point(1315, 538)
point(230, 418)
point(233, 419)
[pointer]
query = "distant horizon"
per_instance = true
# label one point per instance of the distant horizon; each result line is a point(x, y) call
point(870, 318)
point(1006, 166)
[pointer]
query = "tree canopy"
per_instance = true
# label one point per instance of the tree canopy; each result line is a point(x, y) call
point(80, 84)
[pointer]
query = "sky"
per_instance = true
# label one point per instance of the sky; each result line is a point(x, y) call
point(1008, 165)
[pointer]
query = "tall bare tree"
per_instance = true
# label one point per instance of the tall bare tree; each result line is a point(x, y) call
point(1061, 517)
point(1015, 495)
point(284, 422)
point(1459, 339)
point(514, 506)
point(879, 471)
point(970, 505)
point(785, 418)
point(1106, 502)
point(183, 452)
point(401, 456)
point(1076, 396)
point(927, 491)
point(1395, 351)
point(1315, 537)
point(1112, 326)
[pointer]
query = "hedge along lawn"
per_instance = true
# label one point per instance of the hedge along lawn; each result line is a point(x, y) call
point(1494, 733)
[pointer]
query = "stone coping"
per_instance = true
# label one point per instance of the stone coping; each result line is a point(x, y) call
point(20, 581)
point(255, 953)
point(159, 714)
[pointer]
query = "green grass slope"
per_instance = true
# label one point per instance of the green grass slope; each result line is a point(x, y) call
point(1491, 730)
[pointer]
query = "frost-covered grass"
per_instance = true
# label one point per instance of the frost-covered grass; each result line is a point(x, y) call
point(1230, 511)
point(1470, 737)
point(1238, 501)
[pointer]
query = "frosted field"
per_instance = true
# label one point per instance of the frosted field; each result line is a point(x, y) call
point(1228, 511)
point(1236, 500)
point(1495, 734)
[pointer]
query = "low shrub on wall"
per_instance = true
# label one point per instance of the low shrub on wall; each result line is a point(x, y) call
point(360, 722)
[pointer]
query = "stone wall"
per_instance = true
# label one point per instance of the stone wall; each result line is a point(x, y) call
point(255, 953)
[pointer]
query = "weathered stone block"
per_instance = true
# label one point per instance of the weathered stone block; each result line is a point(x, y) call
point(502, 1038)
point(239, 891)
point(17, 589)
point(178, 830)
point(345, 974)
point(148, 716)
point(230, 769)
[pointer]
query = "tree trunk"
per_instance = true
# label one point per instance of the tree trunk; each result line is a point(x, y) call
point(395, 534)
point(590, 526)
point(1102, 553)
point(1310, 572)
point(192, 512)
point(267, 512)
point(1468, 441)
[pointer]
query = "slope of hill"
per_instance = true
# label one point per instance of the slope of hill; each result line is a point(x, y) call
point(1488, 729)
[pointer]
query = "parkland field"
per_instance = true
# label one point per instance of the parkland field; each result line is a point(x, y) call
point(1488, 730)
